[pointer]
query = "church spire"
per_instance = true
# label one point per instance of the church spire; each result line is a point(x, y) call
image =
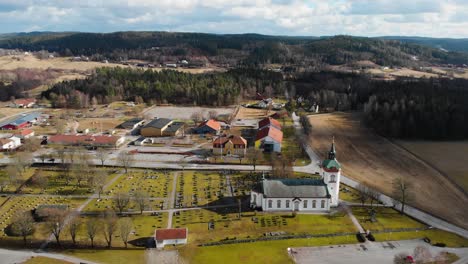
point(332, 153)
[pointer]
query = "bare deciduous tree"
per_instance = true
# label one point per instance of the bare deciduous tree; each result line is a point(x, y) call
point(99, 181)
point(363, 194)
point(125, 159)
point(196, 117)
point(56, 222)
point(32, 144)
point(23, 160)
point(374, 196)
point(422, 255)
point(39, 179)
point(402, 192)
point(110, 221)
point(92, 227)
point(121, 201)
point(73, 227)
point(125, 228)
point(23, 224)
point(212, 114)
point(141, 199)
point(102, 155)
point(254, 155)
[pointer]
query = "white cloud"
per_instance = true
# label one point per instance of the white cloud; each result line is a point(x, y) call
point(438, 18)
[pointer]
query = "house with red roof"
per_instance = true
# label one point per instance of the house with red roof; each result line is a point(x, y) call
point(170, 236)
point(24, 103)
point(230, 145)
point(269, 121)
point(269, 138)
point(25, 133)
point(208, 127)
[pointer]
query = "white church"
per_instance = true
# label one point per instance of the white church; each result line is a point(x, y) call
point(308, 195)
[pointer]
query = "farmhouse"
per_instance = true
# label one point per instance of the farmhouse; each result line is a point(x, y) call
point(269, 138)
point(170, 236)
point(131, 123)
point(23, 121)
point(87, 140)
point(231, 145)
point(24, 103)
point(156, 127)
point(10, 143)
point(300, 194)
point(25, 133)
point(208, 127)
point(269, 122)
point(174, 129)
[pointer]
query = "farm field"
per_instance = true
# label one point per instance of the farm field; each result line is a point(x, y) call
point(447, 157)
point(377, 162)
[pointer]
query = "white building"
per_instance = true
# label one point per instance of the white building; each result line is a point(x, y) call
point(170, 236)
point(310, 195)
point(10, 143)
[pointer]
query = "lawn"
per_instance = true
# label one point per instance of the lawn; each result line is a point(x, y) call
point(103, 204)
point(349, 194)
point(268, 252)
point(436, 236)
point(227, 225)
point(45, 260)
point(387, 219)
point(109, 256)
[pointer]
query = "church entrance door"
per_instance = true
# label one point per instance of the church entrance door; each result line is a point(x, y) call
point(296, 206)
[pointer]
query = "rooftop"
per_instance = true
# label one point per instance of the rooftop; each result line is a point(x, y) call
point(170, 233)
point(130, 123)
point(269, 121)
point(158, 123)
point(301, 188)
point(271, 131)
point(211, 123)
point(174, 126)
point(25, 118)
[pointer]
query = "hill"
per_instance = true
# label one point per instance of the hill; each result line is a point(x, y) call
point(232, 49)
point(449, 44)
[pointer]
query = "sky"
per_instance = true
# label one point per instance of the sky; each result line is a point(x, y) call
point(429, 18)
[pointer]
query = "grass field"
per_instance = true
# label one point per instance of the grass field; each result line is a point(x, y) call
point(45, 260)
point(228, 225)
point(376, 162)
point(264, 252)
point(448, 157)
point(199, 188)
point(386, 219)
point(436, 236)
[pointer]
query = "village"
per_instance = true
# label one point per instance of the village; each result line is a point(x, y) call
point(187, 179)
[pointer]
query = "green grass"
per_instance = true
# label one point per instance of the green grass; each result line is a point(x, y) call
point(228, 225)
point(45, 260)
point(206, 186)
point(436, 236)
point(387, 218)
point(258, 252)
point(109, 256)
point(349, 194)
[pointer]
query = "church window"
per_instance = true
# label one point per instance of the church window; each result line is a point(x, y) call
point(322, 204)
point(278, 204)
point(332, 178)
point(305, 203)
point(287, 204)
point(314, 203)
point(270, 204)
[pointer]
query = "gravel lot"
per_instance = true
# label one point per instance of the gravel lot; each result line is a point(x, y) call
point(176, 112)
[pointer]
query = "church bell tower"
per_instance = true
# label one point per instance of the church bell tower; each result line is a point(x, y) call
point(331, 174)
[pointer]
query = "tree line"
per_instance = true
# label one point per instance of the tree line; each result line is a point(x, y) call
point(114, 84)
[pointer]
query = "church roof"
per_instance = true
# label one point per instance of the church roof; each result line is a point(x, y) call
point(293, 188)
point(331, 164)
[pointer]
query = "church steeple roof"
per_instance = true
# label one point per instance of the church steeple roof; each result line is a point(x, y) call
point(332, 152)
point(331, 163)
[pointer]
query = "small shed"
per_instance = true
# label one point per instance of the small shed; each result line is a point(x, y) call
point(170, 236)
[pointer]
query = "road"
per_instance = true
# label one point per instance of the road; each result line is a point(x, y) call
point(376, 252)
point(20, 256)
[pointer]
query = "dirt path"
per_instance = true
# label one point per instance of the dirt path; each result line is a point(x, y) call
point(172, 200)
point(376, 162)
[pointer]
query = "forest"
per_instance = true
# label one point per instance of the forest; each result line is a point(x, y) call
point(404, 108)
point(113, 84)
point(242, 49)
